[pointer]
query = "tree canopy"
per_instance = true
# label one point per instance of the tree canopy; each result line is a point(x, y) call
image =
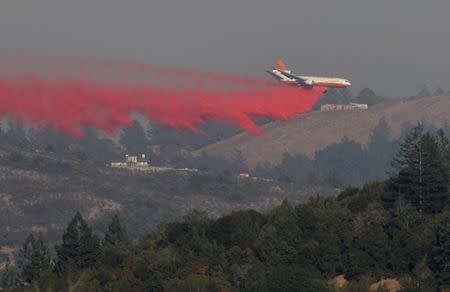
point(358, 237)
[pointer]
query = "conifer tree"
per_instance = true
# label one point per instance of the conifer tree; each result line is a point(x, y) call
point(422, 171)
point(444, 147)
point(116, 233)
point(408, 160)
point(424, 277)
point(434, 181)
point(9, 277)
point(440, 255)
point(34, 259)
point(80, 247)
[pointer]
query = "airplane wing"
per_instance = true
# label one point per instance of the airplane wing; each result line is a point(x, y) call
point(299, 79)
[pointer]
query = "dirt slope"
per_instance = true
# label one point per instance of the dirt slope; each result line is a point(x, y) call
point(314, 131)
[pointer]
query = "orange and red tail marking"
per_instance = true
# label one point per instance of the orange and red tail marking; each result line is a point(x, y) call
point(280, 65)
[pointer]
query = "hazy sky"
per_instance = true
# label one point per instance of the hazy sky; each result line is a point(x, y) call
point(393, 46)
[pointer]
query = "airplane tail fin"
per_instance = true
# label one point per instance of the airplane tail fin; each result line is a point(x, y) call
point(281, 66)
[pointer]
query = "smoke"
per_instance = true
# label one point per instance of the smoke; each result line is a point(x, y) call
point(67, 94)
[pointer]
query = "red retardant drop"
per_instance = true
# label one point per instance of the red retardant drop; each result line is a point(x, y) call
point(102, 95)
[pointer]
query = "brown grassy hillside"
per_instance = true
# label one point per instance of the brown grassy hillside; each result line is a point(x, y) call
point(314, 131)
point(41, 191)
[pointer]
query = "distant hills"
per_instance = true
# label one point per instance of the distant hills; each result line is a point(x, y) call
point(41, 189)
point(316, 130)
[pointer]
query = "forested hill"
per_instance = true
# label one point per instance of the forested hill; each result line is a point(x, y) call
point(397, 229)
point(314, 131)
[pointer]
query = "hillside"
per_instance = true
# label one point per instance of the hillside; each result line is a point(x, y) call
point(40, 190)
point(314, 131)
point(356, 241)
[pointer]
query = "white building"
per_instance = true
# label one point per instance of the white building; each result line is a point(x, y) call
point(343, 107)
point(132, 162)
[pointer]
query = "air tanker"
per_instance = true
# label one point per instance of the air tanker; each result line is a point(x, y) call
point(285, 76)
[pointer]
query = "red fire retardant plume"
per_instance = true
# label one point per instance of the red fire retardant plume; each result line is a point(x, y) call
point(68, 94)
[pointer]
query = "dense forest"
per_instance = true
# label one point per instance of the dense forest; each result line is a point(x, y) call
point(397, 228)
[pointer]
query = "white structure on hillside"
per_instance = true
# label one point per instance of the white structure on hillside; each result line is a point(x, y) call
point(343, 107)
point(132, 162)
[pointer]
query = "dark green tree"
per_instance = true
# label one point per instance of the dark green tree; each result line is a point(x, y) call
point(295, 278)
point(440, 255)
point(434, 180)
point(444, 147)
point(9, 277)
point(80, 246)
point(408, 160)
point(405, 230)
point(240, 228)
point(34, 259)
point(423, 278)
point(116, 233)
point(422, 172)
point(255, 279)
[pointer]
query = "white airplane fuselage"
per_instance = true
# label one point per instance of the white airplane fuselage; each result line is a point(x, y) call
point(284, 76)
